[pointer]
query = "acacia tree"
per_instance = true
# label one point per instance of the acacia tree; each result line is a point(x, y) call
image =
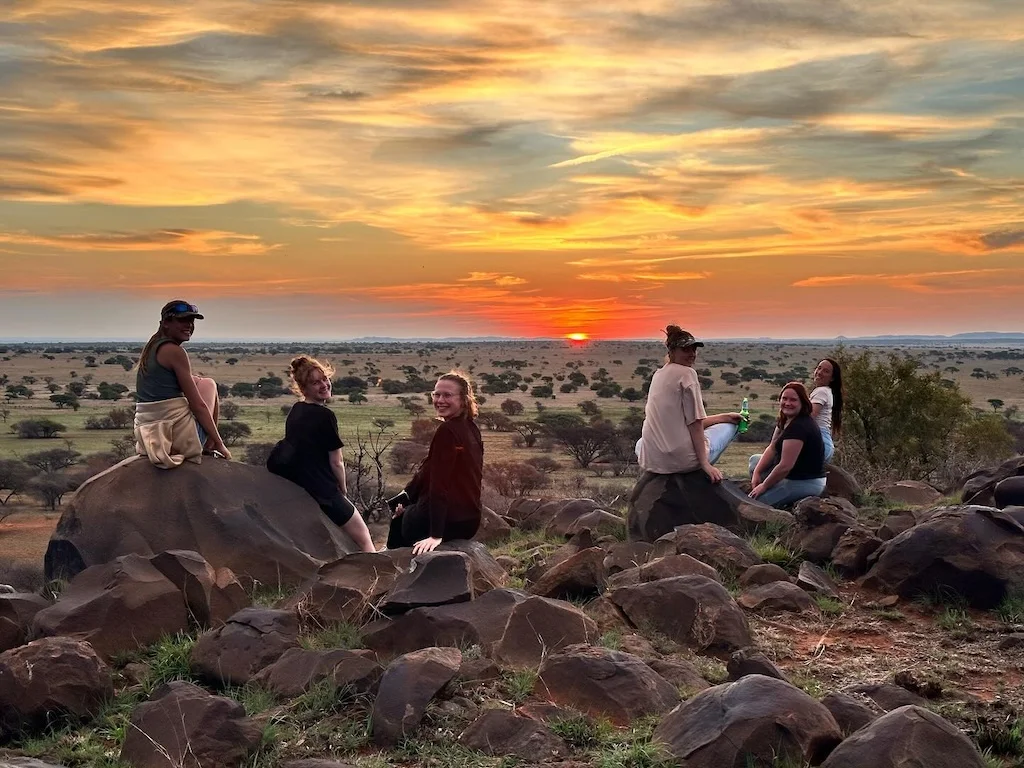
point(14, 478)
point(584, 442)
point(900, 422)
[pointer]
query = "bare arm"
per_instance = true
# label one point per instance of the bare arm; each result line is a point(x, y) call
point(174, 357)
point(337, 461)
point(790, 451)
point(722, 418)
point(696, 430)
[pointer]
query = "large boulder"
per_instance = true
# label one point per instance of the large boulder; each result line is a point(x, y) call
point(435, 578)
point(347, 589)
point(1010, 492)
point(407, 687)
point(118, 606)
point(17, 610)
point(537, 627)
point(711, 544)
point(911, 492)
point(692, 610)
point(252, 639)
point(908, 736)
point(977, 552)
point(820, 524)
point(659, 503)
point(497, 732)
point(754, 721)
point(183, 725)
point(477, 622)
point(299, 669)
point(605, 683)
point(262, 527)
point(979, 487)
point(581, 575)
point(49, 680)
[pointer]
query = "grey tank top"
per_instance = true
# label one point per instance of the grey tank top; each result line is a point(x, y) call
point(158, 383)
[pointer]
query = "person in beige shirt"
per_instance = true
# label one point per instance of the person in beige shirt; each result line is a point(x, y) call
point(678, 435)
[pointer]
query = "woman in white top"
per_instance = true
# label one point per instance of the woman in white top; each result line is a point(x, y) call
point(678, 436)
point(827, 401)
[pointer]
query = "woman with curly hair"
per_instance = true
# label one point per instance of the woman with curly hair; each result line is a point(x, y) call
point(442, 501)
point(317, 463)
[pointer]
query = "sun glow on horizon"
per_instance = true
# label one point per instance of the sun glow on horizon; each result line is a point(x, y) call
point(577, 338)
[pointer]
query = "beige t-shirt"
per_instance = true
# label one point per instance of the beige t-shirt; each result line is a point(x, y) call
point(673, 402)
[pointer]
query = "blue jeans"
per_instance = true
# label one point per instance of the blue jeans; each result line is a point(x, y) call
point(830, 447)
point(717, 436)
point(787, 491)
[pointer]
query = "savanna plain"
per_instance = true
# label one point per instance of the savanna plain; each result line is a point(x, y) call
point(78, 395)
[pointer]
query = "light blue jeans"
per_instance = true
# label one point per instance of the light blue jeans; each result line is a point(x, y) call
point(786, 491)
point(718, 437)
point(830, 447)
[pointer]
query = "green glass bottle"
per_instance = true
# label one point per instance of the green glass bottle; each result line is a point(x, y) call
point(744, 417)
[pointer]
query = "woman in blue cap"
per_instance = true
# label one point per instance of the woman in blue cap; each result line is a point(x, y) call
point(176, 412)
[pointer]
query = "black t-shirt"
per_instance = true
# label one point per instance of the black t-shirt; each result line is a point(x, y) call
point(810, 463)
point(313, 430)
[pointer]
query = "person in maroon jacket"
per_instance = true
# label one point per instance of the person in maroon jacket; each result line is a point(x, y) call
point(442, 501)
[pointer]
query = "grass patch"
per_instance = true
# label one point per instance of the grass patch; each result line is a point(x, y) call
point(711, 670)
point(344, 635)
point(632, 748)
point(769, 546)
point(253, 697)
point(581, 732)
point(955, 619)
point(1011, 609)
point(808, 684)
point(829, 606)
point(269, 595)
point(1006, 739)
point(612, 640)
point(888, 614)
point(518, 685)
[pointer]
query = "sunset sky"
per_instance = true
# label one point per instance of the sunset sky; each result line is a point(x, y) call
point(316, 169)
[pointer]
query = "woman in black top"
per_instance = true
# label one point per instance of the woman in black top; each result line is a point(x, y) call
point(444, 495)
point(311, 431)
point(798, 449)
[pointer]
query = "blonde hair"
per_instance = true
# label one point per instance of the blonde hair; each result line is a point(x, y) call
point(469, 403)
point(301, 370)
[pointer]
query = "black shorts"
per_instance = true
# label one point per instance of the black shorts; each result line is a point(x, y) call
point(338, 508)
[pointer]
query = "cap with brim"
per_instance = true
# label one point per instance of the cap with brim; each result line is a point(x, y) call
point(180, 310)
point(686, 339)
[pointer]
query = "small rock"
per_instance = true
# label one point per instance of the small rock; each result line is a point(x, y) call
point(812, 578)
point(776, 596)
point(766, 573)
point(750, 661)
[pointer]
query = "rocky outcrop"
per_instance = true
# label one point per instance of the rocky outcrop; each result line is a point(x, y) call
point(659, 503)
point(979, 487)
point(118, 606)
point(711, 544)
point(754, 720)
point(183, 725)
point(497, 732)
point(537, 627)
point(51, 680)
point(976, 552)
point(407, 687)
point(605, 683)
point(478, 622)
point(691, 610)
point(906, 736)
point(250, 640)
point(17, 609)
point(262, 527)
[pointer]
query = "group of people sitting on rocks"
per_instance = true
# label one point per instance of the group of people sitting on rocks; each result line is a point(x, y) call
point(176, 421)
point(679, 436)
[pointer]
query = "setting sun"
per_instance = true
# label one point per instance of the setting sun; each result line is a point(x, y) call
point(577, 337)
